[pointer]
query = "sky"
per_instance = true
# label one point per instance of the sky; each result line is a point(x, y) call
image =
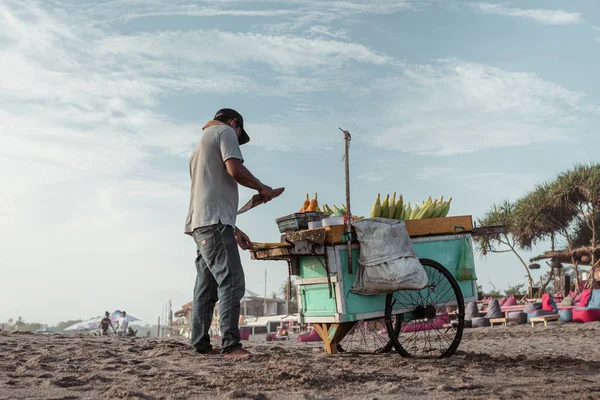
point(101, 104)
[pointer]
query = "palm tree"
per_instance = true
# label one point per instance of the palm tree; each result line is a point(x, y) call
point(506, 242)
point(542, 215)
point(579, 191)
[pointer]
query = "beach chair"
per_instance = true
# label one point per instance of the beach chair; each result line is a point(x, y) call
point(547, 307)
point(588, 309)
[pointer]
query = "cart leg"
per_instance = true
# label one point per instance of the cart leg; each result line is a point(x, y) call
point(332, 334)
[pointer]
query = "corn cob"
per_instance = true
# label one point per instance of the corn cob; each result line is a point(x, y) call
point(446, 208)
point(392, 207)
point(439, 207)
point(313, 204)
point(407, 211)
point(305, 204)
point(399, 212)
point(414, 212)
point(376, 209)
point(422, 210)
point(385, 207)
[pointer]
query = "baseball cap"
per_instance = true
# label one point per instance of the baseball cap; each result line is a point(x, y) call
point(231, 113)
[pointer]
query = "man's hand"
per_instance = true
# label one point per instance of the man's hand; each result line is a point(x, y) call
point(266, 192)
point(242, 240)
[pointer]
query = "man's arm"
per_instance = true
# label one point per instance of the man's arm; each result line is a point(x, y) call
point(242, 239)
point(244, 177)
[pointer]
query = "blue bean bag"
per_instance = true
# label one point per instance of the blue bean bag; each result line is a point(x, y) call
point(546, 307)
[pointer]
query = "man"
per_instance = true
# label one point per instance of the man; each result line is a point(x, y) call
point(216, 169)
point(122, 324)
point(104, 323)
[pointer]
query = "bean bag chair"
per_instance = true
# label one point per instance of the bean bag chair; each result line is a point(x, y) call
point(567, 302)
point(548, 307)
point(511, 301)
point(437, 323)
point(588, 309)
point(493, 310)
point(502, 301)
point(311, 336)
point(531, 307)
point(471, 311)
point(480, 322)
point(565, 314)
point(577, 298)
point(520, 315)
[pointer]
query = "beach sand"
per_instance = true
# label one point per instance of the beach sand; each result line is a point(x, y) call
point(515, 362)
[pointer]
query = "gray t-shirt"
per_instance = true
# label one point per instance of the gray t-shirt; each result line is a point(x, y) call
point(214, 193)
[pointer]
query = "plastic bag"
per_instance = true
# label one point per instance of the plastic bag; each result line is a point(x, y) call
point(466, 265)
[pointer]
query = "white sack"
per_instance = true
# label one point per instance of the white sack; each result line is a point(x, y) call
point(387, 261)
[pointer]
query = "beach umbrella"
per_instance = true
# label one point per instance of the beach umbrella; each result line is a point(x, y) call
point(114, 317)
point(87, 325)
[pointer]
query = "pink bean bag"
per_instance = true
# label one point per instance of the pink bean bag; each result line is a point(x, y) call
point(437, 323)
point(502, 301)
point(511, 301)
point(311, 336)
point(586, 315)
point(589, 307)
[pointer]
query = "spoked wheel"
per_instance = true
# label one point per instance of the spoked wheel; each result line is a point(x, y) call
point(418, 321)
point(367, 337)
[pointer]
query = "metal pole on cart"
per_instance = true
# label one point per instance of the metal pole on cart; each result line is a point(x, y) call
point(347, 138)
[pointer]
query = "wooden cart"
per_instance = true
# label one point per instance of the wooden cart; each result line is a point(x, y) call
point(414, 323)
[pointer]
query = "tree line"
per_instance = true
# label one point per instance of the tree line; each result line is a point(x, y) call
point(564, 212)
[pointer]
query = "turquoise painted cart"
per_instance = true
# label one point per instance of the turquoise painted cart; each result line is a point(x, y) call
point(413, 323)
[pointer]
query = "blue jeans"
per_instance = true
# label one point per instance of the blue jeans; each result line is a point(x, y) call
point(220, 277)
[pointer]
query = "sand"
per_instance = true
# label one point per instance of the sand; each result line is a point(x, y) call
point(515, 362)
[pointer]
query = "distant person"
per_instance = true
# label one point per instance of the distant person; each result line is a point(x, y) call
point(216, 169)
point(122, 324)
point(105, 323)
point(130, 332)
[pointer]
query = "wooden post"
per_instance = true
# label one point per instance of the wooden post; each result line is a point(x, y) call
point(347, 138)
point(332, 334)
point(158, 328)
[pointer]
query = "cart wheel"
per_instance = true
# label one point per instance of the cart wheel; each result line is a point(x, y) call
point(366, 337)
point(417, 320)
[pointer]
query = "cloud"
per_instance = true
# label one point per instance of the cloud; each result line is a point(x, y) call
point(303, 10)
point(319, 30)
point(371, 177)
point(432, 172)
point(549, 17)
point(456, 107)
point(282, 53)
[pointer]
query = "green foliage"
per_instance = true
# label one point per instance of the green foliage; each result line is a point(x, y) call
point(497, 214)
point(516, 290)
point(567, 207)
point(492, 293)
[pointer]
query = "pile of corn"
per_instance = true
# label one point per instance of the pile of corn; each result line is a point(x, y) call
point(396, 209)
